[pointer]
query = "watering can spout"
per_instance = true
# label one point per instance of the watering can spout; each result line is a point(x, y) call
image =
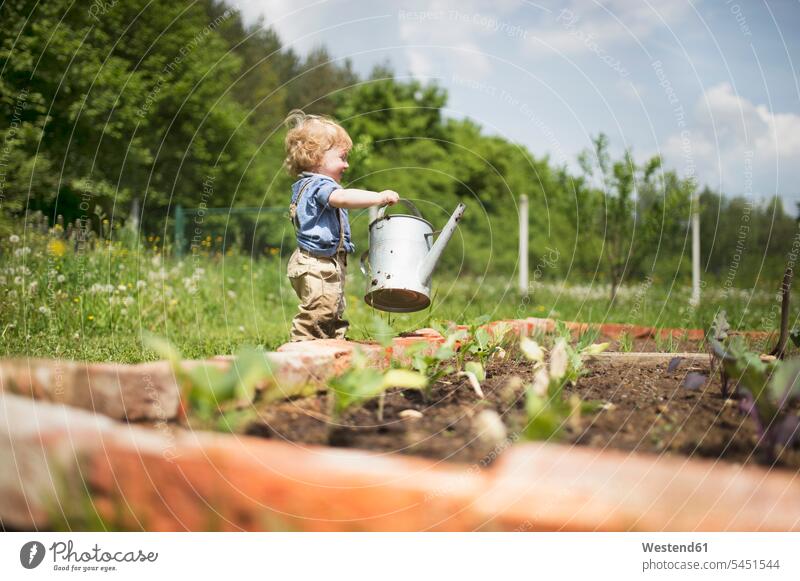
point(435, 253)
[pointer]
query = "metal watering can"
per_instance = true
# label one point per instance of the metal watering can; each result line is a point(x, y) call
point(401, 258)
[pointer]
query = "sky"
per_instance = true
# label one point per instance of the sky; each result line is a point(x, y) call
point(711, 86)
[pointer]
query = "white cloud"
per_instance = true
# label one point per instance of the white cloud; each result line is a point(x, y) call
point(441, 37)
point(274, 12)
point(578, 27)
point(458, 30)
point(299, 23)
point(738, 146)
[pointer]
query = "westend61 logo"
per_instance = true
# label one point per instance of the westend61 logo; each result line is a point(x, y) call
point(66, 558)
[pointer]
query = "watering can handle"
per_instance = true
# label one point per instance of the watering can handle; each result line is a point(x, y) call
point(408, 204)
point(364, 262)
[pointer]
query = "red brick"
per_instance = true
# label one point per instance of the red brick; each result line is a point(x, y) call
point(151, 479)
point(133, 392)
point(165, 480)
point(557, 487)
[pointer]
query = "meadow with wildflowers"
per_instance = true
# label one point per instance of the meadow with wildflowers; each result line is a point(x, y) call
point(74, 293)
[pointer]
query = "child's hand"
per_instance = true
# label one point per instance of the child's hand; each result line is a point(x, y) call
point(389, 197)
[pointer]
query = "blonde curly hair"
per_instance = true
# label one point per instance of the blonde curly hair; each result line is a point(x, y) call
point(309, 137)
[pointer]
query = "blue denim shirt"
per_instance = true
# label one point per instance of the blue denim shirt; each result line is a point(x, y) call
point(318, 230)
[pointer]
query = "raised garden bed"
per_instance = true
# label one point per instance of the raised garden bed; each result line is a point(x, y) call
point(657, 456)
point(645, 409)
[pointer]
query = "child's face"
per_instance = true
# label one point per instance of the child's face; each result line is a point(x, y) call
point(334, 162)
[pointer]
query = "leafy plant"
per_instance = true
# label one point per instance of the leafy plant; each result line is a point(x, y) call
point(475, 341)
point(205, 387)
point(720, 327)
point(764, 390)
point(546, 410)
point(361, 383)
point(433, 366)
point(624, 185)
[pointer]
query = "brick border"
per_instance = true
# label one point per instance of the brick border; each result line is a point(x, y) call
point(149, 391)
point(171, 479)
point(141, 479)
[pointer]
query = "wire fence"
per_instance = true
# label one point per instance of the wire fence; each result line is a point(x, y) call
point(255, 229)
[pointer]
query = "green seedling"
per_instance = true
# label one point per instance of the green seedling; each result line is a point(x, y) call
point(626, 342)
point(481, 343)
point(433, 366)
point(475, 342)
point(545, 408)
point(475, 374)
point(547, 411)
point(205, 388)
point(382, 331)
point(587, 338)
point(562, 331)
point(665, 342)
point(575, 357)
point(361, 383)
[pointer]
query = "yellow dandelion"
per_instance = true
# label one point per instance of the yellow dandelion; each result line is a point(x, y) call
point(90, 317)
point(76, 300)
point(57, 247)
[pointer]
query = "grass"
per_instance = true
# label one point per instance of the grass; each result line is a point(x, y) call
point(96, 303)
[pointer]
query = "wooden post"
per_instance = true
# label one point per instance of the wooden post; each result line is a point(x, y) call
point(180, 226)
point(133, 219)
point(523, 245)
point(695, 300)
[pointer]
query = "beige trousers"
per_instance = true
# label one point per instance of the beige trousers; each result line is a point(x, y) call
point(319, 284)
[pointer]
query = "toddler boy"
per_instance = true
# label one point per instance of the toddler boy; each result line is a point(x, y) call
point(316, 152)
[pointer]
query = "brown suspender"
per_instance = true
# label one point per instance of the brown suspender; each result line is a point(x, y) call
point(293, 206)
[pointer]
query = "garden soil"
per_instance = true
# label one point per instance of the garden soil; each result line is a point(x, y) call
point(645, 409)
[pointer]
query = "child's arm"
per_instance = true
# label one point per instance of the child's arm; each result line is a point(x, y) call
point(353, 198)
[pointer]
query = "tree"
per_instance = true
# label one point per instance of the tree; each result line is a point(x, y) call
point(130, 102)
point(620, 183)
